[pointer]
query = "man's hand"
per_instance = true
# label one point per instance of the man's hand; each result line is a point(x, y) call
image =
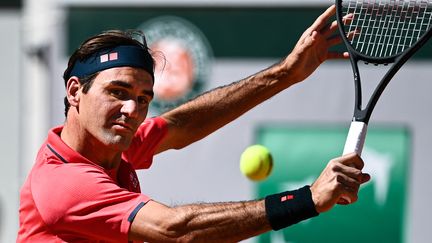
point(312, 49)
point(342, 176)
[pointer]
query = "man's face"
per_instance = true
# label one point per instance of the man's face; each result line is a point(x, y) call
point(115, 105)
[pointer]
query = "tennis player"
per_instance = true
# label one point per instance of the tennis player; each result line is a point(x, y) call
point(83, 186)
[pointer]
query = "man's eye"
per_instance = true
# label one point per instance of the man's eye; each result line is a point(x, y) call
point(118, 93)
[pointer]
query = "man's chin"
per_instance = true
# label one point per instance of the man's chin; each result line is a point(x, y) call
point(120, 142)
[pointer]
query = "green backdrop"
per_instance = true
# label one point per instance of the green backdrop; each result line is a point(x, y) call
point(301, 152)
point(267, 32)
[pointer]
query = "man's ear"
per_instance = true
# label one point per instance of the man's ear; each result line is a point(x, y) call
point(73, 91)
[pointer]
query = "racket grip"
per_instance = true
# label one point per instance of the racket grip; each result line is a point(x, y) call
point(356, 138)
point(354, 143)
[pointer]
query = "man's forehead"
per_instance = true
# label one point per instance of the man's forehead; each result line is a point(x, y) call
point(127, 74)
point(126, 77)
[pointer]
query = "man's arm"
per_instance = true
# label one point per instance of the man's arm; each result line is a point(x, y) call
point(235, 221)
point(205, 114)
point(206, 222)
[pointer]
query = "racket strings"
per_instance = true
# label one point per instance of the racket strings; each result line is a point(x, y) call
point(384, 28)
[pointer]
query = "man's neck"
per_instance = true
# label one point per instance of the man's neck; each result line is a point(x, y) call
point(89, 147)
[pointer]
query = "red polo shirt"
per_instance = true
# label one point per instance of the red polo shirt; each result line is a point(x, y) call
point(67, 198)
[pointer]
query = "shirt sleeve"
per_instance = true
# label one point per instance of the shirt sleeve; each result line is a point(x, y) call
point(79, 201)
point(147, 138)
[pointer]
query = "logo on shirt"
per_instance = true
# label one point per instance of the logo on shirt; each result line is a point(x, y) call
point(134, 181)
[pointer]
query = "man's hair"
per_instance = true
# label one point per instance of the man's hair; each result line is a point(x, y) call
point(94, 44)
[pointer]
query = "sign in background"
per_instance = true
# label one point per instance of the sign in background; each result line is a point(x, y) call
point(301, 152)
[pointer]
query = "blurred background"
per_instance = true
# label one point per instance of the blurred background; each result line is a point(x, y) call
point(209, 44)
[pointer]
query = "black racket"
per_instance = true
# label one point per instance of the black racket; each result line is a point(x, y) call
point(379, 32)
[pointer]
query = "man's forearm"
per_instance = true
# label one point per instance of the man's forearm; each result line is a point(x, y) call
point(221, 221)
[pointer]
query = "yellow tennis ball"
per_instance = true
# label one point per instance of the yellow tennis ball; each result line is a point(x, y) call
point(256, 162)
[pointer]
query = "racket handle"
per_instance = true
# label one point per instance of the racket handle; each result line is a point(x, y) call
point(354, 142)
point(356, 138)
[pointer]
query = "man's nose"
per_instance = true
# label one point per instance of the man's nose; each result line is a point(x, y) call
point(130, 108)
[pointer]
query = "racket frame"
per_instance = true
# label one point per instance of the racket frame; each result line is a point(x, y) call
point(357, 133)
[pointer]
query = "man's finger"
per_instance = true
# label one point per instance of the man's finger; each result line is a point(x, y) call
point(337, 55)
point(349, 181)
point(334, 40)
point(352, 159)
point(329, 29)
point(322, 20)
point(365, 178)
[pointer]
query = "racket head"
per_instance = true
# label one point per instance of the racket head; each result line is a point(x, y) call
point(382, 30)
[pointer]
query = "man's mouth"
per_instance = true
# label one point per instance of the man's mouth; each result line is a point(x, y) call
point(125, 126)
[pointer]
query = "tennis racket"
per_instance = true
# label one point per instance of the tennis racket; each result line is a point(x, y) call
point(386, 32)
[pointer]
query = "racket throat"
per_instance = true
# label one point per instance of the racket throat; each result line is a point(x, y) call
point(362, 115)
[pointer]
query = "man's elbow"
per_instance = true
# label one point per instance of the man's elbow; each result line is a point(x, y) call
point(169, 226)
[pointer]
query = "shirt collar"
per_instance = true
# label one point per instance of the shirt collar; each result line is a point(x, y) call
point(62, 149)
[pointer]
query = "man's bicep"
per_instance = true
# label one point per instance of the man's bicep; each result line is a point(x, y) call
point(173, 139)
point(182, 130)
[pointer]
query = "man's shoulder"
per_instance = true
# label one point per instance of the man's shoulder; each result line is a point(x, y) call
point(55, 186)
point(144, 144)
point(151, 124)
